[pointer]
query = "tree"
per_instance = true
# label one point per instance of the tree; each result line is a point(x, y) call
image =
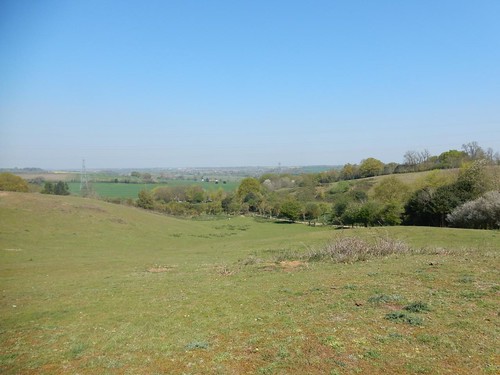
point(418, 209)
point(391, 189)
point(61, 188)
point(481, 213)
point(371, 167)
point(11, 182)
point(451, 159)
point(145, 200)
point(48, 188)
point(247, 186)
point(195, 194)
point(291, 209)
point(473, 150)
point(312, 212)
point(249, 193)
point(349, 171)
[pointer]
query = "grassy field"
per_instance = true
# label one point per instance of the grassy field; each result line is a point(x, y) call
point(124, 190)
point(95, 288)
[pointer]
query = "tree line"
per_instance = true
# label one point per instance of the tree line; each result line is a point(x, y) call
point(346, 197)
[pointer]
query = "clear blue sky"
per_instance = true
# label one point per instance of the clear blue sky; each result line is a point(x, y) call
point(231, 83)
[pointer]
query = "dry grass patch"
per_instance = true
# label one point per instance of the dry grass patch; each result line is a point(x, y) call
point(160, 269)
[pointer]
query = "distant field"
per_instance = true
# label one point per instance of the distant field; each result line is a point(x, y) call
point(90, 287)
point(124, 190)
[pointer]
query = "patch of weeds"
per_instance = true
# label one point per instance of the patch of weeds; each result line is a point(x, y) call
point(333, 343)
point(390, 337)
point(224, 270)
point(354, 249)
point(339, 363)
point(194, 345)
point(417, 307)
point(395, 335)
point(76, 350)
point(270, 369)
point(372, 354)
point(466, 279)
point(221, 357)
point(112, 363)
point(282, 352)
point(418, 369)
point(250, 260)
point(284, 255)
point(402, 317)
point(350, 287)
point(430, 340)
point(385, 298)
point(492, 368)
point(472, 294)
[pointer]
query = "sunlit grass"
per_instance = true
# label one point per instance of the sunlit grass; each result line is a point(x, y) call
point(89, 287)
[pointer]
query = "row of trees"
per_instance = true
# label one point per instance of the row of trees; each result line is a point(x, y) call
point(429, 201)
point(58, 188)
point(414, 161)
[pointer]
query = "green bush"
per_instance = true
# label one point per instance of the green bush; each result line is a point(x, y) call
point(11, 182)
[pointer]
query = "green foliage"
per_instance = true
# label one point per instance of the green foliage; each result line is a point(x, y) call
point(312, 211)
point(391, 189)
point(249, 193)
point(195, 194)
point(291, 209)
point(403, 317)
point(451, 159)
point(417, 307)
point(145, 200)
point(349, 171)
point(430, 206)
point(59, 188)
point(11, 182)
point(371, 167)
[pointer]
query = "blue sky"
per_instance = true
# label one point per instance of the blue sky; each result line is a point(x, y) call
point(236, 83)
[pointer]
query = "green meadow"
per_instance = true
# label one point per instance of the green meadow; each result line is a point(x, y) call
point(130, 190)
point(90, 287)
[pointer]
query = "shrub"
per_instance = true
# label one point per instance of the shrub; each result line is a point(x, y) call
point(11, 182)
point(481, 213)
point(417, 307)
point(402, 317)
point(353, 249)
point(145, 200)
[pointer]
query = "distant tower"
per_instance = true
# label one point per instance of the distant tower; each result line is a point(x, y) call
point(84, 182)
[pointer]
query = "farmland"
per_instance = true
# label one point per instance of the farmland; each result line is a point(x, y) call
point(90, 287)
point(130, 190)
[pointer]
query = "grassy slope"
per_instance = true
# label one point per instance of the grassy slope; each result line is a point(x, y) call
point(76, 272)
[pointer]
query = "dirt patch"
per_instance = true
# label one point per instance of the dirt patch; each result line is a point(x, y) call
point(292, 265)
point(160, 269)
